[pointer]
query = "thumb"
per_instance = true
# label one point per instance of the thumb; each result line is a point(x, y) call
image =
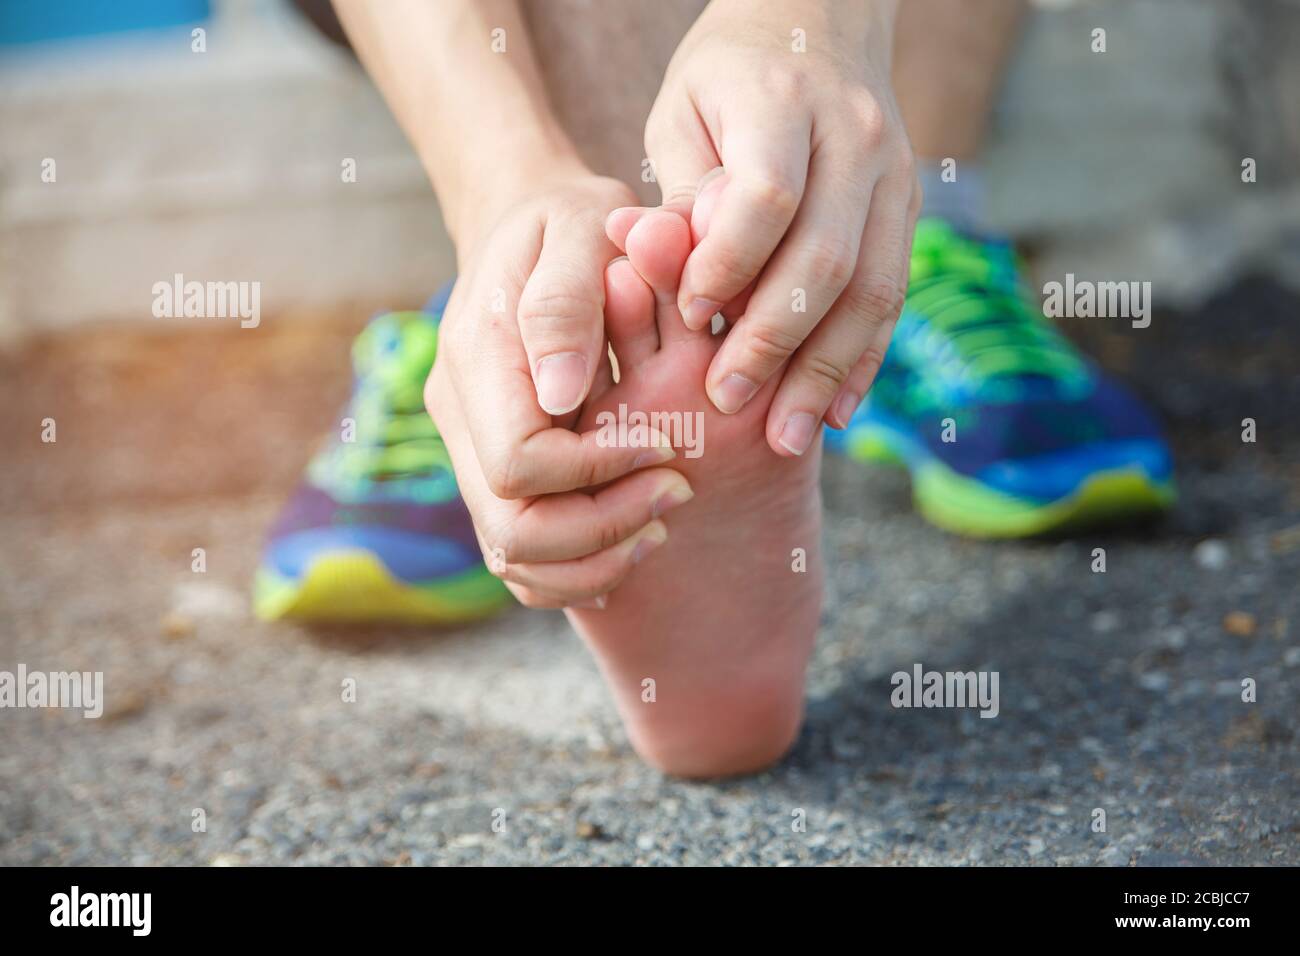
point(561, 317)
point(706, 200)
point(680, 167)
point(696, 209)
point(683, 200)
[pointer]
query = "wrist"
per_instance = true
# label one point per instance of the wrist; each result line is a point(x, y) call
point(482, 181)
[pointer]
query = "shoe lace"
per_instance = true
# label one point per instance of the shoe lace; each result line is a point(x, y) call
point(403, 440)
point(979, 324)
point(396, 438)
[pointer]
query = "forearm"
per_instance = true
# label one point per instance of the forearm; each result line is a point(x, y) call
point(476, 113)
point(846, 26)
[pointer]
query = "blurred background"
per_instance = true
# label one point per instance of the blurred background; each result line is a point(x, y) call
point(227, 163)
point(176, 434)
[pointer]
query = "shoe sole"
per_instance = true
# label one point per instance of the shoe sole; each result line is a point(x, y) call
point(354, 586)
point(964, 506)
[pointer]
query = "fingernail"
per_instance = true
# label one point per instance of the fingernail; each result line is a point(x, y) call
point(845, 407)
point(732, 393)
point(700, 312)
point(597, 603)
point(561, 380)
point(654, 456)
point(798, 433)
point(678, 494)
point(649, 541)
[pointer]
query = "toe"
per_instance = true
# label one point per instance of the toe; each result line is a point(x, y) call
point(629, 315)
point(658, 246)
point(620, 222)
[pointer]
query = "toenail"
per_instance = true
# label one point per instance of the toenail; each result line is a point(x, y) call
point(732, 393)
point(798, 433)
point(845, 407)
point(679, 494)
point(561, 380)
point(700, 312)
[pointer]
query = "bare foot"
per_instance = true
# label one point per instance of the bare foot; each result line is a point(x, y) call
point(705, 644)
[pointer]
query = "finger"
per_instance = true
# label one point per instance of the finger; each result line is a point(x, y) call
point(614, 509)
point(871, 302)
point(572, 526)
point(485, 509)
point(767, 167)
point(701, 216)
point(805, 276)
point(557, 460)
point(539, 601)
point(535, 600)
point(682, 156)
point(734, 309)
point(629, 315)
point(561, 321)
point(509, 436)
point(505, 452)
point(569, 526)
point(855, 387)
point(590, 576)
point(706, 202)
point(864, 373)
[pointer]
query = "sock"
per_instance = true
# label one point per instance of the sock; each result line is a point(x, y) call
point(959, 202)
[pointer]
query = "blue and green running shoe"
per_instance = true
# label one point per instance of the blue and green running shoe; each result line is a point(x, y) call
point(377, 531)
point(1007, 430)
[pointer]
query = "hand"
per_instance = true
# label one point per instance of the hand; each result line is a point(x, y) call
point(531, 287)
point(815, 208)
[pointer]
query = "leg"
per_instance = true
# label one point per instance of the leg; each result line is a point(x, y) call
point(621, 50)
point(603, 77)
point(948, 65)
